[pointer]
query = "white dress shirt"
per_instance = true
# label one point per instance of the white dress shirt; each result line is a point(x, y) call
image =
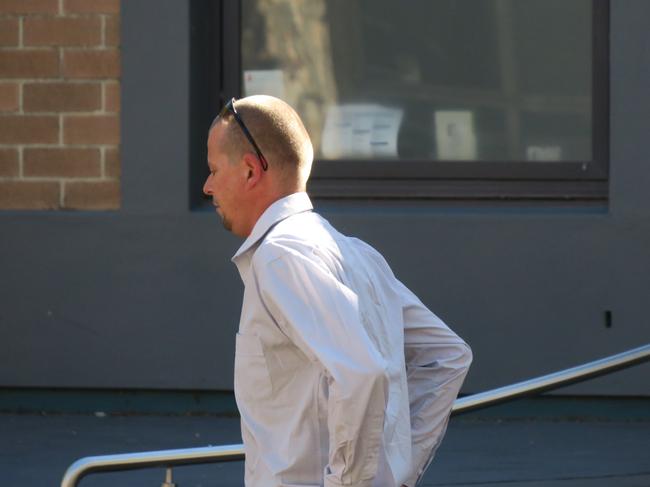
point(342, 375)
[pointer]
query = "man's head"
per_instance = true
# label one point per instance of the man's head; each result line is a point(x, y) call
point(240, 187)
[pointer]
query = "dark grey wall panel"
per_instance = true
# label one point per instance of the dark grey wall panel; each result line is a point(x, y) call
point(115, 301)
point(121, 301)
point(146, 297)
point(630, 108)
point(155, 106)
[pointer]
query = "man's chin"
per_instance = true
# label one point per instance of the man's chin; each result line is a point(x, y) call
point(225, 221)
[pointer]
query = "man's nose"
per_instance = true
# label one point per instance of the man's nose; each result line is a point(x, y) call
point(207, 188)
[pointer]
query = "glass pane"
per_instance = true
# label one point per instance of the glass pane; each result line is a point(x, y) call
point(496, 80)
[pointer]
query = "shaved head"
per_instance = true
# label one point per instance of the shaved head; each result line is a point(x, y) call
point(279, 133)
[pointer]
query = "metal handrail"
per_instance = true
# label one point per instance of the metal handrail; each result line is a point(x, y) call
point(228, 453)
point(553, 381)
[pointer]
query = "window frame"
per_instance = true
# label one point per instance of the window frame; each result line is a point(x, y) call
point(429, 179)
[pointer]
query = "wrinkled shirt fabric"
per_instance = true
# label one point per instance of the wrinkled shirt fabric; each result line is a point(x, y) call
point(342, 376)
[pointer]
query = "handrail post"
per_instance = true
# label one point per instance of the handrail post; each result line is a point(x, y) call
point(168, 479)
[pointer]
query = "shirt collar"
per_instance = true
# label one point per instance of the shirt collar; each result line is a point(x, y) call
point(278, 211)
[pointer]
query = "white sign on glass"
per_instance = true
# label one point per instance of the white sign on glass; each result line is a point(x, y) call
point(264, 82)
point(361, 130)
point(455, 135)
point(544, 153)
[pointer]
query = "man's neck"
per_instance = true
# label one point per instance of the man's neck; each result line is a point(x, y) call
point(263, 204)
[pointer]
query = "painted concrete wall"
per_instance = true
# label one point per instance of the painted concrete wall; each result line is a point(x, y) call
point(146, 297)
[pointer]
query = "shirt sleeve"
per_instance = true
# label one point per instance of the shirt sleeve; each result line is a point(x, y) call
point(437, 361)
point(320, 316)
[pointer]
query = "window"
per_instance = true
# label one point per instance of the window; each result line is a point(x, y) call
point(445, 99)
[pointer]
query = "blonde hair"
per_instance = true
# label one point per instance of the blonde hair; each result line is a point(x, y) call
point(279, 133)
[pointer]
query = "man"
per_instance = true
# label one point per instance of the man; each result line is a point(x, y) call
point(342, 375)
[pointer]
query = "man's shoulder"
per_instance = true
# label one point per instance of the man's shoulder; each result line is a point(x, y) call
point(313, 239)
point(274, 247)
point(297, 235)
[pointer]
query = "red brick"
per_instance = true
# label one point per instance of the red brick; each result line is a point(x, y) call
point(62, 97)
point(112, 97)
point(92, 6)
point(8, 162)
point(112, 163)
point(20, 129)
point(29, 6)
point(29, 195)
point(113, 30)
point(100, 195)
point(81, 31)
point(8, 32)
point(62, 162)
point(91, 129)
point(29, 64)
point(91, 64)
point(8, 97)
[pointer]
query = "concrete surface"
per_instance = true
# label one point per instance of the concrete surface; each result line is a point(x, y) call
point(36, 450)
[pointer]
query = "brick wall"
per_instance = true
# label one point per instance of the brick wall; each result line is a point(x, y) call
point(59, 104)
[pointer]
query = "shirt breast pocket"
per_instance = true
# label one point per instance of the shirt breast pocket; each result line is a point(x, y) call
point(252, 380)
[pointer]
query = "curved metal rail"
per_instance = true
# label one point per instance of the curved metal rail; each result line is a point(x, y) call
point(228, 453)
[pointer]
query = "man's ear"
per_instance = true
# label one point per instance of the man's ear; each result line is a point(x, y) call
point(252, 169)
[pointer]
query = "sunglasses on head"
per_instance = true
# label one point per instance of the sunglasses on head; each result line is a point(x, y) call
point(229, 108)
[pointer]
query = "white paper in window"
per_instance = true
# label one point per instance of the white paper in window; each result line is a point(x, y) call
point(264, 82)
point(455, 136)
point(546, 153)
point(361, 131)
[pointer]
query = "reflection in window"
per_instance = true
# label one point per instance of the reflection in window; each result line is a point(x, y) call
point(444, 80)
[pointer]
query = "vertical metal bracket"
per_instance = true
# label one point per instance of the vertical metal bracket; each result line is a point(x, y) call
point(168, 479)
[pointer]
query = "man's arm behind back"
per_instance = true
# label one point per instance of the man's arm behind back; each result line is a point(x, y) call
point(437, 361)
